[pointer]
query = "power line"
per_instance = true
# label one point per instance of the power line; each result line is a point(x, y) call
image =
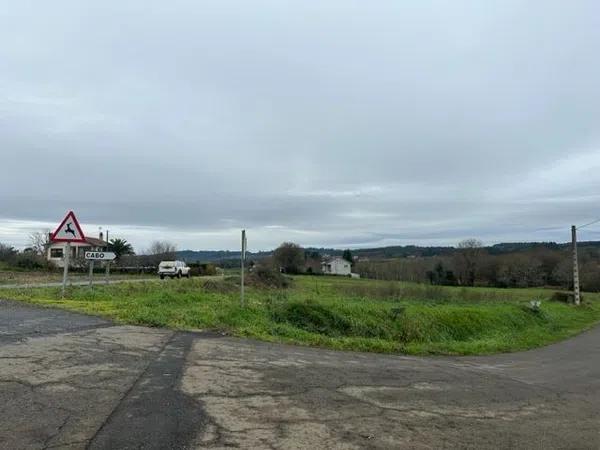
point(587, 224)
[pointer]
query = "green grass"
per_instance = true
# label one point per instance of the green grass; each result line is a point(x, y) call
point(12, 275)
point(341, 313)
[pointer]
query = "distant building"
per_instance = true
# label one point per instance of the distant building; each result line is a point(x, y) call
point(336, 266)
point(55, 251)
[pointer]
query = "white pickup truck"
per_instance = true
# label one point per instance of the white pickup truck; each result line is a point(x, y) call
point(173, 269)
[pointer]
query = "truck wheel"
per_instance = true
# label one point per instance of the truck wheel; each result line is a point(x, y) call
point(179, 274)
point(187, 275)
point(162, 277)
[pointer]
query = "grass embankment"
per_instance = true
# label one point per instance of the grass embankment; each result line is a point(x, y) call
point(341, 313)
point(10, 275)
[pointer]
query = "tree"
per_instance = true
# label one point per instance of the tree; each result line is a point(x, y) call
point(563, 274)
point(347, 255)
point(520, 270)
point(7, 253)
point(39, 241)
point(163, 248)
point(466, 260)
point(121, 247)
point(289, 257)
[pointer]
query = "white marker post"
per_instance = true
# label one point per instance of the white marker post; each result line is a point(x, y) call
point(68, 231)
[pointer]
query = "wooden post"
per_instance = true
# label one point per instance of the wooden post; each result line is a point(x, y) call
point(66, 259)
point(107, 271)
point(576, 293)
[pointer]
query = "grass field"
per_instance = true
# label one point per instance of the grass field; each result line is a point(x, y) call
point(340, 313)
point(12, 276)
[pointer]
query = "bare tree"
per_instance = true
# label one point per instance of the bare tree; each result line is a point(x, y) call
point(466, 260)
point(161, 250)
point(39, 241)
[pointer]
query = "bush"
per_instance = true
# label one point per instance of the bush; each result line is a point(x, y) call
point(312, 317)
point(7, 253)
point(202, 270)
point(31, 261)
point(220, 286)
point(264, 277)
point(565, 297)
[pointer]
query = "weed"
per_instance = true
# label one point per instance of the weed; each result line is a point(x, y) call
point(343, 313)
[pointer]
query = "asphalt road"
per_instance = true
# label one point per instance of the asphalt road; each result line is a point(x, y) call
point(73, 381)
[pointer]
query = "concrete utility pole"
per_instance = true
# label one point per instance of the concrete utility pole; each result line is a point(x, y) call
point(576, 294)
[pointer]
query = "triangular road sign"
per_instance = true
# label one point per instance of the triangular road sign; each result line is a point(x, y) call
point(69, 230)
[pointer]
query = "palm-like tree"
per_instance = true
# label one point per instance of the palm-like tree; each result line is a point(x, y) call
point(120, 247)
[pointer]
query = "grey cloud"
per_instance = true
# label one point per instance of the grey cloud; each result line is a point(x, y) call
point(341, 122)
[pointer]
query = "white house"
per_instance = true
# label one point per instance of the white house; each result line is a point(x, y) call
point(55, 251)
point(336, 266)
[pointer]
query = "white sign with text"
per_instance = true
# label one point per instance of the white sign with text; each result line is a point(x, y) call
point(100, 256)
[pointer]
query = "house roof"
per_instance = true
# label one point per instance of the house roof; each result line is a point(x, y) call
point(331, 259)
point(96, 242)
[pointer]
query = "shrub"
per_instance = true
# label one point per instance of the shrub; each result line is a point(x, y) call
point(565, 297)
point(264, 277)
point(202, 270)
point(7, 253)
point(313, 317)
point(30, 261)
point(220, 286)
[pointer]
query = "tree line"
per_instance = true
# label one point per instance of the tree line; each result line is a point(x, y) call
point(471, 264)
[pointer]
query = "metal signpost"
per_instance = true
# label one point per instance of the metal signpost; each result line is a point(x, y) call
point(68, 231)
point(100, 256)
point(243, 258)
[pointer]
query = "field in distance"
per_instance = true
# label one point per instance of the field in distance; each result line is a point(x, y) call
point(339, 313)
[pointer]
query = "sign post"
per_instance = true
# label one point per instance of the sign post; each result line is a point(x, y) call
point(91, 272)
point(243, 258)
point(66, 261)
point(100, 256)
point(68, 231)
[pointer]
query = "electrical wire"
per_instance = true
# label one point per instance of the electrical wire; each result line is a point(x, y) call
point(587, 224)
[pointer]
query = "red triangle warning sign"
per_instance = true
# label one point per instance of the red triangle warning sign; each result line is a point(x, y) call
point(68, 230)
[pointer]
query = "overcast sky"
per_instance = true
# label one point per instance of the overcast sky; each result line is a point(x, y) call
point(330, 123)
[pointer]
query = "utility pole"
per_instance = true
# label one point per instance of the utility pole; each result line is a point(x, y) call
point(242, 258)
point(576, 294)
